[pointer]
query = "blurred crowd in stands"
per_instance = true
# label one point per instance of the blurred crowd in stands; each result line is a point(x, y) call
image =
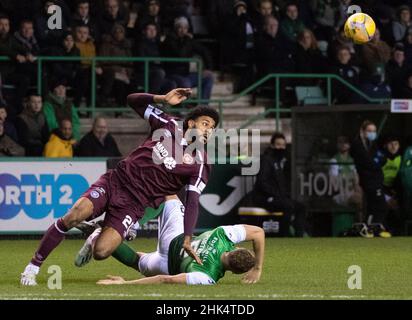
point(247, 39)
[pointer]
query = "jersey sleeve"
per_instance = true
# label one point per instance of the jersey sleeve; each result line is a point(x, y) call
point(197, 184)
point(194, 278)
point(143, 104)
point(236, 233)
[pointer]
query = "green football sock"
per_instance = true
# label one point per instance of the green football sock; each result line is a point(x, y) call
point(126, 255)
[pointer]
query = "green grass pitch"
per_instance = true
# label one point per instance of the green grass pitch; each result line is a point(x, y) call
point(309, 268)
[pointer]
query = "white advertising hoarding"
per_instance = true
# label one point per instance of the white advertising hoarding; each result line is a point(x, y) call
point(33, 194)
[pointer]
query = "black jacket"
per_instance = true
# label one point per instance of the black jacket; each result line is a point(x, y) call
point(183, 48)
point(273, 179)
point(367, 165)
point(90, 146)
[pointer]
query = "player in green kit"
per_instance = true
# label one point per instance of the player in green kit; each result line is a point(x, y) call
point(216, 250)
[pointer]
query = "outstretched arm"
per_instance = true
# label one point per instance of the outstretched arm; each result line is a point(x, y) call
point(112, 280)
point(257, 235)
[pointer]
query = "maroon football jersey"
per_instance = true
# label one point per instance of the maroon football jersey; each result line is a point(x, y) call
point(160, 166)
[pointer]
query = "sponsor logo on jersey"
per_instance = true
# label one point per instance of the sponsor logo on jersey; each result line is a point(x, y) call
point(160, 150)
point(169, 163)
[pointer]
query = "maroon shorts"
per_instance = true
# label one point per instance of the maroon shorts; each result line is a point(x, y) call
point(108, 195)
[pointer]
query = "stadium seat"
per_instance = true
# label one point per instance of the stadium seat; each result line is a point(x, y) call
point(310, 96)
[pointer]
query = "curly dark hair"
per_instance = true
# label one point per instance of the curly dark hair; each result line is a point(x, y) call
point(241, 260)
point(199, 112)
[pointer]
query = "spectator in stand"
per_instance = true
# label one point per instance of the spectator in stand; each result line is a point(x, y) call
point(407, 88)
point(407, 42)
point(32, 127)
point(272, 189)
point(48, 37)
point(375, 53)
point(98, 142)
point(8, 125)
point(181, 44)
point(152, 15)
point(87, 48)
point(376, 86)
point(309, 59)
point(347, 71)
point(342, 13)
point(339, 41)
point(28, 48)
point(57, 107)
point(113, 14)
point(291, 25)
point(264, 9)
point(241, 37)
point(60, 144)
point(402, 23)
point(8, 147)
point(149, 46)
point(66, 70)
point(176, 8)
point(273, 53)
point(384, 23)
point(8, 69)
point(117, 75)
point(397, 70)
point(326, 18)
point(82, 17)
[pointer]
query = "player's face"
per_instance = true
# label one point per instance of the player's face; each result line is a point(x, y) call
point(204, 127)
point(393, 147)
point(4, 26)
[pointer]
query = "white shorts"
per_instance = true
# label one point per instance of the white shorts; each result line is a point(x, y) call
point(170, 226)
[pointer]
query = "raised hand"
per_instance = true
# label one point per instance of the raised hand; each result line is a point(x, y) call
point(177, 96)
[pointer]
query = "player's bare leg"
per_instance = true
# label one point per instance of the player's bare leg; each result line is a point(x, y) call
point(100, 245)
point(81, 210)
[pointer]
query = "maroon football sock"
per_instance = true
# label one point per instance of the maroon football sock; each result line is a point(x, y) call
point(51, 239)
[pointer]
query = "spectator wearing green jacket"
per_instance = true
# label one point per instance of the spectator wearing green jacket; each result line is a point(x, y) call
point(291, 25)
point(57, 107)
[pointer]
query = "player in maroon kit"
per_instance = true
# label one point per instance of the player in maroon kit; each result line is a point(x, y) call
point(166, 162)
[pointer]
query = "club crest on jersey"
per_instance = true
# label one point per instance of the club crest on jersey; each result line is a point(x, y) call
point(169, 163)
point(188, 159)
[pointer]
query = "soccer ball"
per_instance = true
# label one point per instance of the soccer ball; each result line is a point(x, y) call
point(360, 28)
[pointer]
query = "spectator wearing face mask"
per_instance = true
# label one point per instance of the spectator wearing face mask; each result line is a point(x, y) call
point(98, 142)
point(272, 190)
point(368, 163)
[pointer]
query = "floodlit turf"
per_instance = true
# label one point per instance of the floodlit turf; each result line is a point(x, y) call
point(310, 268)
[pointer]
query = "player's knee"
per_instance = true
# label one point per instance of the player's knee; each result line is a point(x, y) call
point(100, 253)
point(80, 211)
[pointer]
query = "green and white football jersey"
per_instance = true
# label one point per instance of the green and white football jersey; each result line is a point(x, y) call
point(209, 246)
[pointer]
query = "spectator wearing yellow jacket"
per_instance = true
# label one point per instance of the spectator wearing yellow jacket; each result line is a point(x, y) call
point(60, 144)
